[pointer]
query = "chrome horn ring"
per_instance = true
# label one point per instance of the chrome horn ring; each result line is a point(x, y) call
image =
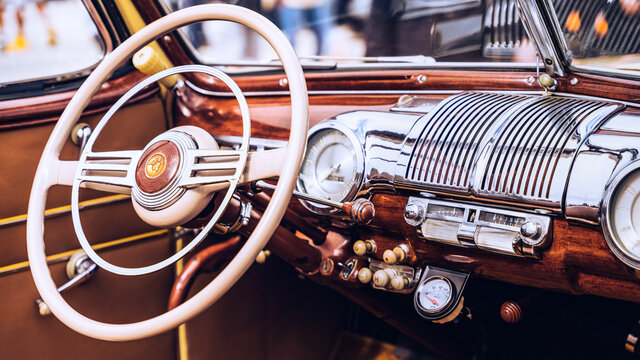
point(179, 185)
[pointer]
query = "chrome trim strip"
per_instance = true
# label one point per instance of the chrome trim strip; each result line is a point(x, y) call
point(545, 34)
point(61, 210)
point(64, 256)
point(607, 228)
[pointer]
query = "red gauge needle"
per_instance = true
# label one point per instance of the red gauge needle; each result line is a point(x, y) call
point(432, 301)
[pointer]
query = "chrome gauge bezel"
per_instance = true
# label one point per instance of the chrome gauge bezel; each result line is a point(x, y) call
point(606, 214)
point(359, 163)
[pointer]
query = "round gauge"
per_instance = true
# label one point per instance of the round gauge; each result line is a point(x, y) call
point(332, 167)
point(435, 294)
point(621, 216)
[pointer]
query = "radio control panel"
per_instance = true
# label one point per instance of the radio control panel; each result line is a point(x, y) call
point(496, 230)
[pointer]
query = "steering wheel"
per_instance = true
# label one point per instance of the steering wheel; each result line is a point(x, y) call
point(163, 178)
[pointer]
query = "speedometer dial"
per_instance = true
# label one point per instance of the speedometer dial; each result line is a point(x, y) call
point(332, 168)
point(621, 217)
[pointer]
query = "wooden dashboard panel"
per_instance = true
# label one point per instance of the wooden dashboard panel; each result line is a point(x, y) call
point(578, 260)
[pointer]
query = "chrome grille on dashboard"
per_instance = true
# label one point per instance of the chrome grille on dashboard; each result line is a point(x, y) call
point(500, 146)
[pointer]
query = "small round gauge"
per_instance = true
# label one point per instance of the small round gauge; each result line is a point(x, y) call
point(332, 167)
point(435, 294)
point(621, 216)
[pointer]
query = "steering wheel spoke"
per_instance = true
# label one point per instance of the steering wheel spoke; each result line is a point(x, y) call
point(263, 165)
point(213, 169)
point(112, 171)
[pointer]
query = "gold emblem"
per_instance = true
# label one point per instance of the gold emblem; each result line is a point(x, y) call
point(155, 165)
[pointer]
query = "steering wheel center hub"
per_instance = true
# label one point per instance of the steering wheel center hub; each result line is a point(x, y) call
point(158, 166)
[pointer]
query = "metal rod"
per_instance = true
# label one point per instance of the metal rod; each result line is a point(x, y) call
point(262, 185)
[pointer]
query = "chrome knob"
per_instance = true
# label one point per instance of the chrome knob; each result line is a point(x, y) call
point(530, 229)
point(413, 214)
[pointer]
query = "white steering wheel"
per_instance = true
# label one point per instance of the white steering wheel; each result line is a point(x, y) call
point(171, 191)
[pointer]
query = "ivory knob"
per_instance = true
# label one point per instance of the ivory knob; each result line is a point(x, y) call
point(399, 282)
point(362, 248)
point(364, 275)
point(262, 256)
point(381, 278)
point(397, 255)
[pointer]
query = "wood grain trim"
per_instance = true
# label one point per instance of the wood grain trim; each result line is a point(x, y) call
point(601, 86)
point(47, 108)
point(578, 260)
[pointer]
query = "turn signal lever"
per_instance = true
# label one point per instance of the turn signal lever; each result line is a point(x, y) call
point(79, 269)
point(361, 211)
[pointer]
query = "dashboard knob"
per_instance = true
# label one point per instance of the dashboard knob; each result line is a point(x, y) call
point(262, 256)
point(364, 275)
point(413, 214)
point(395, 256)
point(530, 229)
point(362, 248)
point(399, 282)
point(381, 278)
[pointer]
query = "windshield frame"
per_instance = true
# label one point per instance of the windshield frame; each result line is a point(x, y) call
point(260, 67)
point(557, 43)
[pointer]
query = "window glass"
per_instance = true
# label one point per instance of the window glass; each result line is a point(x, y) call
point(440, 30)
point(604, 34)
point(44, 39)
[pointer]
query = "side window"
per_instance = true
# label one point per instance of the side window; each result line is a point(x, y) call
point(42, 39)
point(427, 30)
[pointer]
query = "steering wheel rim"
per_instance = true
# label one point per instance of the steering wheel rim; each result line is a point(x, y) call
point(50, 171)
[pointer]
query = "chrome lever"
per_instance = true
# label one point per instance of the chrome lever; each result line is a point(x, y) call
point(80, 134)
point(361, 211)
point(79, 269)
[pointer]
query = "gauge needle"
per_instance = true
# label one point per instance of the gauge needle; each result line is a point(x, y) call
point(432, 301)
point(331, 171)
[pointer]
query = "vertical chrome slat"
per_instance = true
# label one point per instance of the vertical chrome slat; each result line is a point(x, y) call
point(537, 141)
point(428, 167)
point(536, 118)
point(473, 133)
point(453, 137)
point(554, 128)
point(497, 144)
point(578, 118)
point(471, 157)
point(563, 131)
point(418, 155)
point(514, 142)
point(500, 146)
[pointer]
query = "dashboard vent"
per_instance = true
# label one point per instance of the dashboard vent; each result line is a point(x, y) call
point(501, 146)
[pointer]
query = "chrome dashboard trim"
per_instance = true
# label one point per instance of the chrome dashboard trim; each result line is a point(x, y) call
point(515, 149)
point(359, 162)
point(380, 134)
point(607, 229)
point(545, 34)
point(598, 159)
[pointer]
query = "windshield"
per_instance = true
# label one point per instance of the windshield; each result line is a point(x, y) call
point(370, 30)
point(601, 33)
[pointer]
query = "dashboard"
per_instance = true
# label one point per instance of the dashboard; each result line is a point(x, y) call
point(537, 190)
